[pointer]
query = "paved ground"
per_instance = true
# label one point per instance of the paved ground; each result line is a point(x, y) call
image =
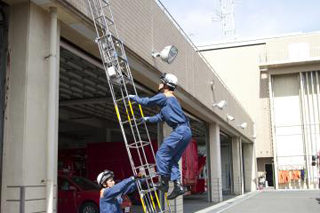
point(191, 203)
point(256, 202)
point(194, 203)
point(272, 202)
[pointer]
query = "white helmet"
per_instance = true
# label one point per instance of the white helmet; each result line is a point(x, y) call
point(169, 79)
point(104, 176)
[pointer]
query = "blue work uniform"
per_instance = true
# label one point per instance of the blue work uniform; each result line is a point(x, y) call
point(173, 146)
point(111, 200)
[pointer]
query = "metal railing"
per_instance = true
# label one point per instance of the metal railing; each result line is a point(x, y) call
point(22, 197)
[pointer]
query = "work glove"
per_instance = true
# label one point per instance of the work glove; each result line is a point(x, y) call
point(131, 97)
point(143, 120)
point(139, 176)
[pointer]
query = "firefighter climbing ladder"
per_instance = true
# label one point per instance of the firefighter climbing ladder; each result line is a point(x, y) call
point(135, 132)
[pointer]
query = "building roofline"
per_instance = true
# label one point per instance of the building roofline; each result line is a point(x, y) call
point(249, 42)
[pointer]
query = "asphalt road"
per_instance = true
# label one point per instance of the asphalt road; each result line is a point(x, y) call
point(275, 202)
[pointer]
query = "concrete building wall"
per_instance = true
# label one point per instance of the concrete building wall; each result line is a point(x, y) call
point(292, 48)
point(291, 61)
point(261, 63)
point(238, 66)
point(144, 27)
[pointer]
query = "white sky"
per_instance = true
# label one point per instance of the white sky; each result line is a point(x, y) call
point(253, 18)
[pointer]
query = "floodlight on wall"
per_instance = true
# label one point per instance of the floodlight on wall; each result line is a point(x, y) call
point(220, 105)
point(168, 54)
point(243, 125)
point(230, 118)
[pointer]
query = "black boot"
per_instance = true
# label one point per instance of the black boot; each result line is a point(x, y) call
point(177, 190)
point(163, 184)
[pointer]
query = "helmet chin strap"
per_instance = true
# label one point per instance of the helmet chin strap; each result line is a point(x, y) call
point(161, 90)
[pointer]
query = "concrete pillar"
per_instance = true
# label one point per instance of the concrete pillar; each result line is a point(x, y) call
point(3, 66)
point(249, 167)
point(215, 163)
point(26, 114)
point(241, 166)
point(236, 162)
point(53, 113)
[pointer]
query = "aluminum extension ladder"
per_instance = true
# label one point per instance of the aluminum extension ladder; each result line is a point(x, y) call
point(135, 133)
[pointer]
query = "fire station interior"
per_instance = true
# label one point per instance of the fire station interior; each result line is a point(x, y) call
point(90, 138)
point(226, 165)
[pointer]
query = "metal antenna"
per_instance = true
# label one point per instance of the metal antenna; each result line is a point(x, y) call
point(226, 15)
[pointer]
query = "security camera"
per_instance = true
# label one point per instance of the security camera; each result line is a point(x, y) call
point(221, 104)
point(230, 118)
point(243, 125)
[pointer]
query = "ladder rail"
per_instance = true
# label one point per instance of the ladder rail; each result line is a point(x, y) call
point(139, 140)
point(145, 125)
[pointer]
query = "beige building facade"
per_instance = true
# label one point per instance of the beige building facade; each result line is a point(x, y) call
point(277, 81)
point(55, 98)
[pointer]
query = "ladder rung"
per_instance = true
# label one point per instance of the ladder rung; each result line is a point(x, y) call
point(121, 99)
point(139, 144)
point(104, 16)
point(146, 191)
point(127, 121)
point(105, 46)
point(118, 80)
point(145, 167)
point(116, 39)
point(103, 36)
point(151, 176)
point(132, 122)
point(122, 58)
point(106, 2)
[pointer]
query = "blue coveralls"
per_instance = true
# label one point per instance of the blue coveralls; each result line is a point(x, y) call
point(173, 146)
point(111, 199)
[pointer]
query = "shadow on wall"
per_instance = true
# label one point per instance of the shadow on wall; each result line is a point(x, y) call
point(264, 93)
point(318, 199)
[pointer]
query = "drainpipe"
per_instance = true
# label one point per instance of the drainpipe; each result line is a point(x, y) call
point(254, 137)
point(52, 131)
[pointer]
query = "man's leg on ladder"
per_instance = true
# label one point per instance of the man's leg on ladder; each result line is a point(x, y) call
point(164, 156)
point(175, 171)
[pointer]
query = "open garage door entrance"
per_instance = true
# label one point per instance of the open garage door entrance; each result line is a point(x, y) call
point(226, 165)
point(90, 139)
point(195, 175)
